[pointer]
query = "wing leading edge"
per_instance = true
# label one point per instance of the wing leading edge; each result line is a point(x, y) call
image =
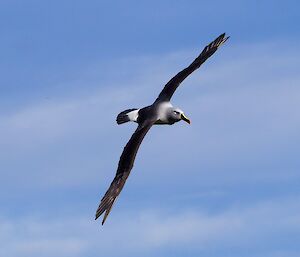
point(208, 51)
point(124, 167)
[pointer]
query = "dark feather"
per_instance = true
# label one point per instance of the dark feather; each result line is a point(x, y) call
point(125, 165)
point(209, 50)
point(123, 117)
point(147, 117)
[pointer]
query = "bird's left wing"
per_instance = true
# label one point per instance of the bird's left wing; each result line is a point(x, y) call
point(208, 51)
point(124, 167)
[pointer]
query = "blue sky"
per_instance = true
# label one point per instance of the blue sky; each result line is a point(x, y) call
point(229, 186)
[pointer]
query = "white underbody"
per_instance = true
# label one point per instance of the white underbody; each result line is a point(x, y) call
point(162, 113)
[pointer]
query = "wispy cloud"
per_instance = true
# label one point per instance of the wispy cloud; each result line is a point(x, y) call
point(253, 227)
point(242, 108)
point(244, 133)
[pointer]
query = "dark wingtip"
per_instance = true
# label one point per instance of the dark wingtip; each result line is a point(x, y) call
point(102, 223)
point(221, 39)
point(97, 216)
point(98, 213)
point(225, 39)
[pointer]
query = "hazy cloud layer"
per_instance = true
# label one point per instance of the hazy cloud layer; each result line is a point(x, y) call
point(243, 113)
point(229, 231)
point(228, 187)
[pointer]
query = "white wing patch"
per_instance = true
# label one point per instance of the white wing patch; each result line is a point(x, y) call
point(133, 115)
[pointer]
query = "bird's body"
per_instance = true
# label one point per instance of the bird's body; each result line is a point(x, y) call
point(161, 112)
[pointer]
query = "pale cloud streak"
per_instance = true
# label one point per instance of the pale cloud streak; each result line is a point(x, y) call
point(240, 108)
point(154, 230)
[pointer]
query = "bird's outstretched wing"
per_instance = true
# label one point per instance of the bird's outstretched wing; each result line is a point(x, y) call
point(124, 167)
point(208, 51)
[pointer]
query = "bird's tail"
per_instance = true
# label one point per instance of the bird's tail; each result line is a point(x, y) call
point(127, 115)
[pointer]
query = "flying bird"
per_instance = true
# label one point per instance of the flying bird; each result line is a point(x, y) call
point(160, 112)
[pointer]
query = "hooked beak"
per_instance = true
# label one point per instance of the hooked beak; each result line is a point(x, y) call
point(186, 119)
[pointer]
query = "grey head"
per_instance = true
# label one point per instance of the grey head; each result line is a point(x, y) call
point(175, 115)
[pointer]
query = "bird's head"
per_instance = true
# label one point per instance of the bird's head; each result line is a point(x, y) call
point(177, 115)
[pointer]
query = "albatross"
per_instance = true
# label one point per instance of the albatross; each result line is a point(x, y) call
point(160, 112)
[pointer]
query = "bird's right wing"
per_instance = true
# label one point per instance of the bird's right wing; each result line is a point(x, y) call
point(125, 165)
point(208, 51)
